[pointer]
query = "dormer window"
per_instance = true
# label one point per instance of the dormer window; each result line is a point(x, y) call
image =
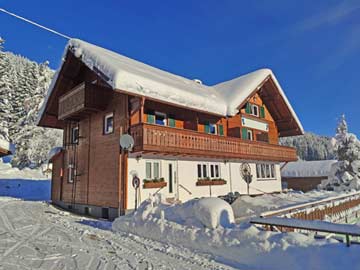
point(255, 110)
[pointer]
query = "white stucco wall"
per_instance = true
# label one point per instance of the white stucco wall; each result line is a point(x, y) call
point(186, 174)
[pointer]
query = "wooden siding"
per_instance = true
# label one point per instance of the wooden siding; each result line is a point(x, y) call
point(166, 140)
point(97, 158)
point(303, 183)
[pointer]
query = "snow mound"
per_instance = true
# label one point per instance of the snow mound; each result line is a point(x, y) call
point(240, 245)
point(206, 212)
point(9, 172)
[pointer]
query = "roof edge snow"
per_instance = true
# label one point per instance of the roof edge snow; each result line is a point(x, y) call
point(131, 76)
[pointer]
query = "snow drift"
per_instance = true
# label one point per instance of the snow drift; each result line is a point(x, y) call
point(238, 245)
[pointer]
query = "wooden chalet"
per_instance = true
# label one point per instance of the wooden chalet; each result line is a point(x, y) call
point(189, 139)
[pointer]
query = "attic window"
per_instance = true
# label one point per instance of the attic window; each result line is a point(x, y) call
point(254, 110)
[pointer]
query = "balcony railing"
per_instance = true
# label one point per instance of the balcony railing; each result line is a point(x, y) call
point(165, 140)
point(82, 100)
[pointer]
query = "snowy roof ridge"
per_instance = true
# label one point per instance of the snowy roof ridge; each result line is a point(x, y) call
point(314, 168)
point(132, 76)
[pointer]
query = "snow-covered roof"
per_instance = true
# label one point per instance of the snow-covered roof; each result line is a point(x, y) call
point(131, 76)
point(315, 168)
point(5, 145)
point(54, 151)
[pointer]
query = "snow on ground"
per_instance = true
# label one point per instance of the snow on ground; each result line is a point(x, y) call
point(32, 190)
point(34, 235)
point(24, 184)
point(9, 172)
point(243, 246)
point(246, 207)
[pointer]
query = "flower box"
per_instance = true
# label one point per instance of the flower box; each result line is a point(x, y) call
point(154, 184)
point(207, 182)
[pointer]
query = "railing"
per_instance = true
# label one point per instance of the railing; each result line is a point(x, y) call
point(333, 208)
point(155, 138)
point(72, 102)
point(83, 98)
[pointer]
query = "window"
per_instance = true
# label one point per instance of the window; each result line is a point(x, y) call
point(213, 129)
point(71, 173)
point(109, 123)
point(265, 171)
point(214, 171)
point(75, 135)
point(152, 170)
point(206, 170)
point(249, 135)
point(255, 110)
point(160, 118)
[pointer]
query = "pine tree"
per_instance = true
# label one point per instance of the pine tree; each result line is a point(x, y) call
point(345, 173)
point(310, 146)
point(23, 86)
point(5, 94)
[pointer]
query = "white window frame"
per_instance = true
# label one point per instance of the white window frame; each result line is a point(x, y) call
point(74, 139)
point(106, 118)
point(212, 125)
point(152, 169)
point(251, 138)
point(265, 171)
point(216, 174)
point(252, 111)
point(70, 173)
point(163, 115)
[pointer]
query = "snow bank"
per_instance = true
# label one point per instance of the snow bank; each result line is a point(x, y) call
point(241, 245)
point(307, 168)
point(9, 172)
point(207, 212)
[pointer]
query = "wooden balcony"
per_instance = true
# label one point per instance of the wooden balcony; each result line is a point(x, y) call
point(82, 100)
point(173, 141)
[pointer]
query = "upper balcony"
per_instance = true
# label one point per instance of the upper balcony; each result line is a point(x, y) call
point(83, 99)
point(151, 138)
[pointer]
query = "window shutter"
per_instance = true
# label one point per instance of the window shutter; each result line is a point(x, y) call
point(207, 127)
point(171, 122)
point(244, 133)
point(151, 118)
point(248, 108)
point(221, 130)
point(262, 112)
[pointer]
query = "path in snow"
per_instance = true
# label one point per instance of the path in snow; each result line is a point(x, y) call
point(34, 235)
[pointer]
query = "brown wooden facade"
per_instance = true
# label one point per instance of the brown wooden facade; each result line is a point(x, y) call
point(81, 99)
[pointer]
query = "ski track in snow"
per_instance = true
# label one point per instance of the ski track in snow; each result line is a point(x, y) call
point(35, 235)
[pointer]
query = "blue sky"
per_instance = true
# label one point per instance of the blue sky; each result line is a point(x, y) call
point(313, 47)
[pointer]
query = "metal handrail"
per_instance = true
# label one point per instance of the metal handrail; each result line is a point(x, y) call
point(184, 188)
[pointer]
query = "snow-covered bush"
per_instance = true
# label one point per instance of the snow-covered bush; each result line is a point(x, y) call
point(345, 174)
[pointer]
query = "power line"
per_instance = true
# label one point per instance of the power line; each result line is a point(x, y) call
point(34, 23)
